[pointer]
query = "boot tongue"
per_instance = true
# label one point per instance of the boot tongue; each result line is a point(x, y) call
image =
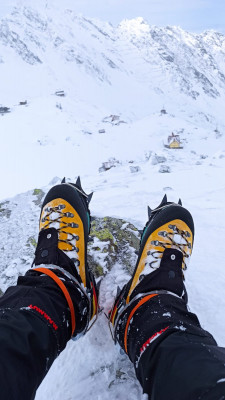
point(48, 253)
point(168, 277)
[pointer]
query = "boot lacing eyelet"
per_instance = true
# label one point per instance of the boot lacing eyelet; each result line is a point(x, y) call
point(58, 218)
point(172, 243)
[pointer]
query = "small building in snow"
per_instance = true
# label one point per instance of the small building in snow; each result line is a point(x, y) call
point(4, 110)
point(113, 120)
point(173, 142)
point(60, 93)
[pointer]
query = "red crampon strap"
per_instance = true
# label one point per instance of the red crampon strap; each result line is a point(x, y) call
point(64, 290)
point(95, 301)
point(112, 313)
point(142, 301)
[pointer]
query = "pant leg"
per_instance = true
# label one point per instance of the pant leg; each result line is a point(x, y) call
point(174, 358)
point(186, 364)
point(35, 325)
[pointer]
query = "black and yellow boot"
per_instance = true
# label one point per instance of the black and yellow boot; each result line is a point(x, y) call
point(165, 249)
point(62, 245)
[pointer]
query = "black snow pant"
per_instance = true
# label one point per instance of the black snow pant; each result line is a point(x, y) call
point(35, 326)
point(174, 358)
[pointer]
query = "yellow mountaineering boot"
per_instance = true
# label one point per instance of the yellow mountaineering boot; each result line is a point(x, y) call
point(169, 233)
point(62, 246)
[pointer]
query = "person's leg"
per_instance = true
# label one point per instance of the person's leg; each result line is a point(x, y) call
point(174, 358)
point(54, 301)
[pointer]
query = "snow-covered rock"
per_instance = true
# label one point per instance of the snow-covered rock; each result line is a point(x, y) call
point(164, 169)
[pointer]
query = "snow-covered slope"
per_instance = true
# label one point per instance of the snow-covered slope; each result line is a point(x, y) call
point(132, 71)
point(94, 364)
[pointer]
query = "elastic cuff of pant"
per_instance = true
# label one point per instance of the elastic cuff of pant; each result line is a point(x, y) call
point(120, 324)
point(65, 292)
point(91, 301)
point(139, 304)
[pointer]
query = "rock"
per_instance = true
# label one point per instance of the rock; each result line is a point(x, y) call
point(4, 110)
point(148, 155)
point(114, 240)
point(39, 196)
point(134, 169)
point(164, 169)
point(87, 132)
point(163, 111)
point(111, 163)
point(106, 166)
point(155, 159)
point(59, 106)
point(31, 242)
point(4, 211)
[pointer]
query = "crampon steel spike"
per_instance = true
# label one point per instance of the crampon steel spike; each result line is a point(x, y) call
point(98, 284)
point(118, 291)
point(78, 182)
point(89, 197)
point(78, 187)
point(164, 201)
point(149, 212)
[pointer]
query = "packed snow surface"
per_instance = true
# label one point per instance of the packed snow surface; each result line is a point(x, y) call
point(100, 101)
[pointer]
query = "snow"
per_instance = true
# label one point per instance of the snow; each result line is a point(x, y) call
point(167, 314)
point(133, 71)
point(221, 380)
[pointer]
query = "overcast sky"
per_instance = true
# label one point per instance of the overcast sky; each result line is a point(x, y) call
point(192, 15)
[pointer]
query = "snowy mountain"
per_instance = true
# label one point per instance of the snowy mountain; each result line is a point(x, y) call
point(81, 97)
point(133, 71)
